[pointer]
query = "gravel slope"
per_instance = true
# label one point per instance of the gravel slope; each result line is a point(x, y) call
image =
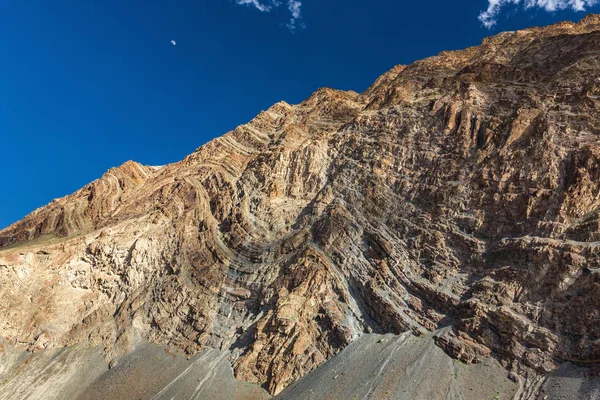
point(372, 367)
point(401, 367)
point(147, 373)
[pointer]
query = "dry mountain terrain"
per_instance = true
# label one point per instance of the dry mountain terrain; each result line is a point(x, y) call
point(460, 192)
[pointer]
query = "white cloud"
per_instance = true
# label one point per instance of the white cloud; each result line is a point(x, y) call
point(257, 4)
point(174, 43)
point(293, 7)
point(488, 17)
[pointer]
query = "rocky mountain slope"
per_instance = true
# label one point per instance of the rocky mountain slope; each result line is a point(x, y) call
point(461, 191)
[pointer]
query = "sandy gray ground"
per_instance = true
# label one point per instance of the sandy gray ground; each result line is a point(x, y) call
point(150, 373)
point(373, 367)
point(147, 373)
point(571, 382)
point(401, 367)
point(50, 374)
point(407, 367)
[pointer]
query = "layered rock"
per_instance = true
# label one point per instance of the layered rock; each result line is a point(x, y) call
point(462, 190)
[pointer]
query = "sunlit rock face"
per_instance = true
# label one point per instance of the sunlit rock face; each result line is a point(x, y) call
point(462, 190)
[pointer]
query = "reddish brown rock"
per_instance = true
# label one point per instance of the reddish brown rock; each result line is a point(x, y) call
point(463, 189)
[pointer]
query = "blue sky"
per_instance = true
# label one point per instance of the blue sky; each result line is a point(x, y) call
point(87, 85)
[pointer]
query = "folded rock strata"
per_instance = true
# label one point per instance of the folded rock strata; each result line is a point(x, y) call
point(462, 190)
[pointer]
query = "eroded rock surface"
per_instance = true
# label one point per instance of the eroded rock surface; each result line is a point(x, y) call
point(461, 190)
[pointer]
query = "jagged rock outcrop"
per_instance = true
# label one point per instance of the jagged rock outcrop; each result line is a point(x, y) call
point(461, 190)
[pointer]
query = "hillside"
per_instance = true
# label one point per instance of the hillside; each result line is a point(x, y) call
point(459, 192)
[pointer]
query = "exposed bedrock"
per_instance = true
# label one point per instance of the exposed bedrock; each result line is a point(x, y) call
point(461, 191)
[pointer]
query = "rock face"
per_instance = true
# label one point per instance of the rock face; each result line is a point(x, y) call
point(462, 190)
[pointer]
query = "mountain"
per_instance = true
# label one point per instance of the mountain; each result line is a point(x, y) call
point(457, 198)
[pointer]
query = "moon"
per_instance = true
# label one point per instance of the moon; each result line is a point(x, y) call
point(174, 43)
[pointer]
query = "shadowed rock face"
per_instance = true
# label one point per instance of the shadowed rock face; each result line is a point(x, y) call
point(461, 190)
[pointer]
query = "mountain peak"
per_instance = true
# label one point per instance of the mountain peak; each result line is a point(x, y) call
point(457, 197)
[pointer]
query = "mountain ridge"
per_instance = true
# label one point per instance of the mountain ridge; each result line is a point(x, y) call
point(409, 207)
